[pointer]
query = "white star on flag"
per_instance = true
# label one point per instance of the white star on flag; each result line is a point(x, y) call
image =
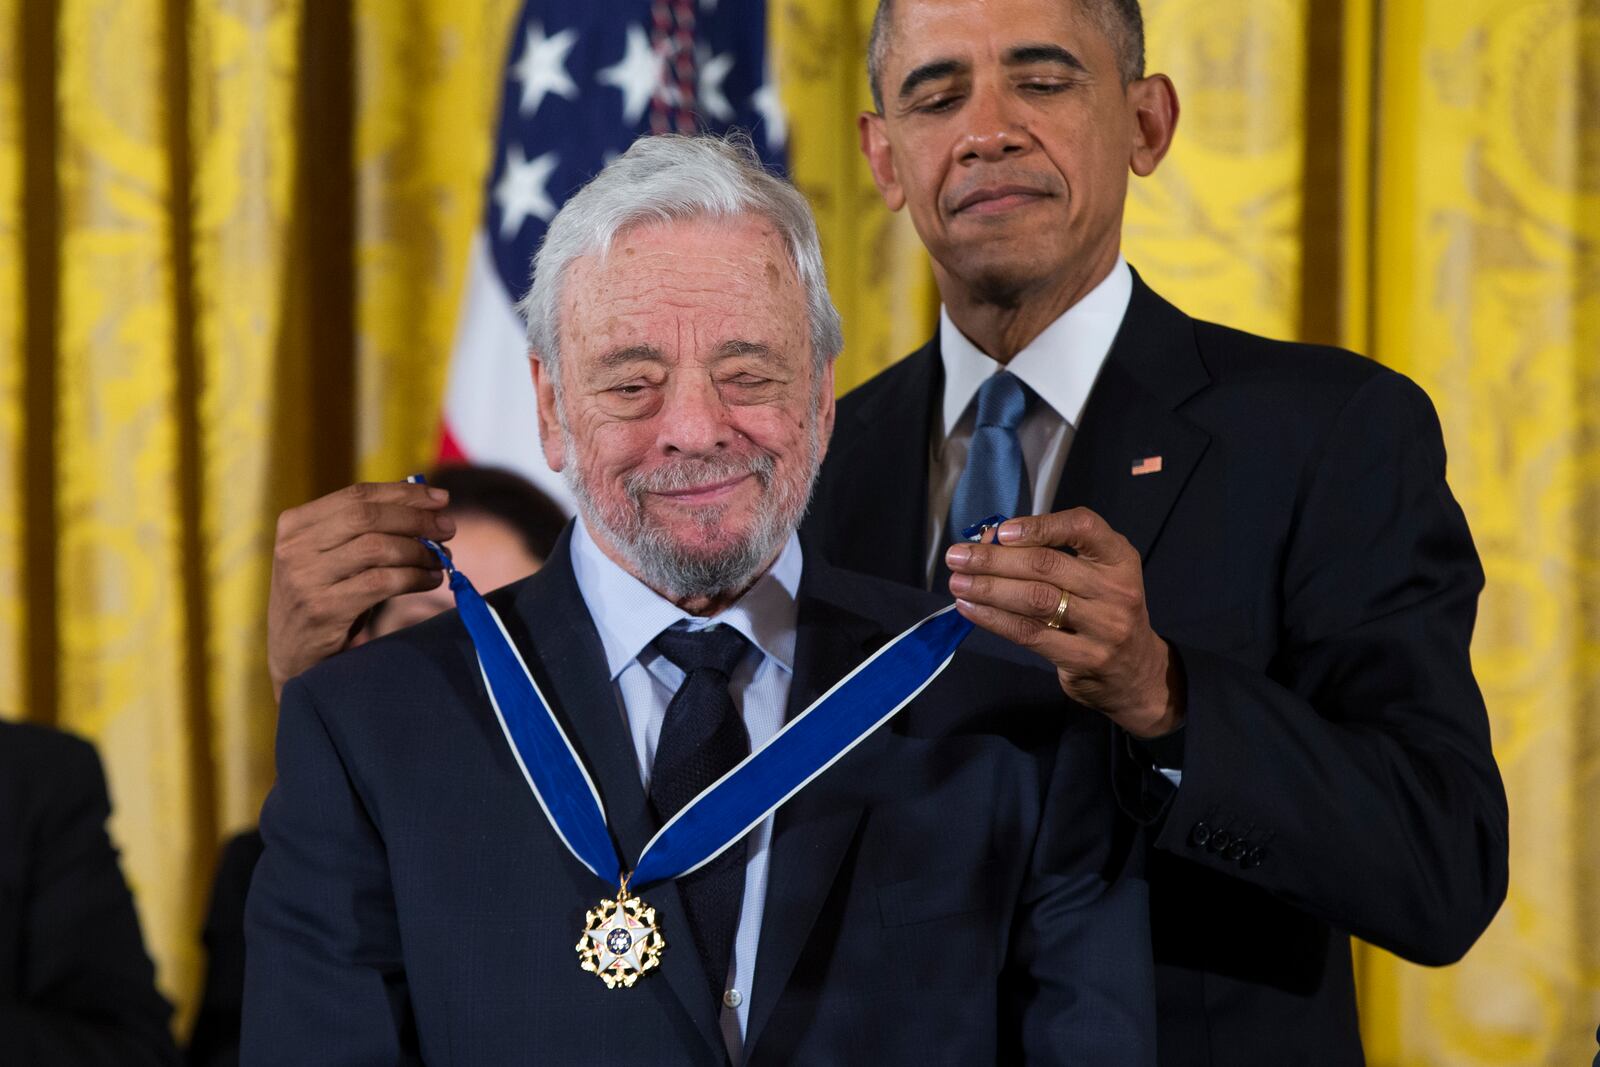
point(543, 67)
point(521, 190)
point(770, 108)
point(637, 74)
point(713, 69)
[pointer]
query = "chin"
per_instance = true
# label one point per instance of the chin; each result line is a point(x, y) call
point(1003, 285)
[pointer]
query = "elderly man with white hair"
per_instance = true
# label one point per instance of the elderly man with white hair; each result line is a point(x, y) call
point(689, 795)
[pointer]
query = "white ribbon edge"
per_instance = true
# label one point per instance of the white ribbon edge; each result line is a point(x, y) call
point(891, 713)
point(792, 723)
point(516, 753)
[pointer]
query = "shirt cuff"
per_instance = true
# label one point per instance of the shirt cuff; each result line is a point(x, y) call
point(1164, 753)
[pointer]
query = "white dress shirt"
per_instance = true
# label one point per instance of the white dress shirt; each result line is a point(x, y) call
point(629, 615)
point(1060, 366)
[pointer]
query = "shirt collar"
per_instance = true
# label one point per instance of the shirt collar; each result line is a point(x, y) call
point(1060, 365)
point(629, 614)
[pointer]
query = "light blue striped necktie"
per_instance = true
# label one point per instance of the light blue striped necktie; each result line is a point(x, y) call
point(995, 479)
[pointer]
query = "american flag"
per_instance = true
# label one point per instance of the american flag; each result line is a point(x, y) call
point(582, 80)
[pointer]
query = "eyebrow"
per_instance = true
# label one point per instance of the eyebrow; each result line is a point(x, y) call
point(938, 68)
point(1044, 53)
point(745, 348)
point(632, 354)
point(1021, 55)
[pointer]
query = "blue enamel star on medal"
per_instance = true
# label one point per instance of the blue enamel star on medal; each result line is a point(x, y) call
point(622, 938)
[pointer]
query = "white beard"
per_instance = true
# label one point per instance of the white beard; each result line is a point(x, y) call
point(669, 568)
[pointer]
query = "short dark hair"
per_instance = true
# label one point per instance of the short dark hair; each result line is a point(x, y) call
point(499, 494)
point(1120, 19)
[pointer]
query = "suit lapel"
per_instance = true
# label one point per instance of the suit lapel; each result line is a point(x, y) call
point(569, 663)
point(1130, 423)
point(1153, 367)
point(814, 830)
point(888, 470)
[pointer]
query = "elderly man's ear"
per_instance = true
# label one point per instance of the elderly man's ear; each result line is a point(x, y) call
point(826, 404)
point(550, 437)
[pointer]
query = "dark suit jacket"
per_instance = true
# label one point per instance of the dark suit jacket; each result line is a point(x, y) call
point(215, 1041)
point(1305, 559)
point(935, 897)
point(76, 987)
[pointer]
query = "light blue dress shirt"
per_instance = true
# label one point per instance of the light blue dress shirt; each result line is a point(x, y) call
point(629, 614)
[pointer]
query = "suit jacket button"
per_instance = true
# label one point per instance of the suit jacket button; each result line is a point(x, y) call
point(1254, 858)
point(1200, 834)
point(1237, 850)
point(1219, 841)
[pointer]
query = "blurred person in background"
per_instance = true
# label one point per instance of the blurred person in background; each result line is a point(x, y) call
point(503, 529)
point(77, 988)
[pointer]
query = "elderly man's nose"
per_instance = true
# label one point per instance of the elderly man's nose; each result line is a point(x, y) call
point(694, 418)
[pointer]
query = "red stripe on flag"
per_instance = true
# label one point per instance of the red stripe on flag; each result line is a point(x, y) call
point(1148, 465)
point(450, 450)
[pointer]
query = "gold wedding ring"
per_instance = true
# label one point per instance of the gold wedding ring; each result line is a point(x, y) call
point(1061, 611)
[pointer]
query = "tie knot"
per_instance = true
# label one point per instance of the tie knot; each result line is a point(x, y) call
point(1002, 401)
point(718, 648)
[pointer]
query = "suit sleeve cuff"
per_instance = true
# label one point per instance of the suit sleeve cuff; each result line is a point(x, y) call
point(1142, 791)
point(1164, 753)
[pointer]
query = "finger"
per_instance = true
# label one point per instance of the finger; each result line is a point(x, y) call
point(360, 592)
point(1029, 599)
point(1076, 528)
point(360, 518)
point(315, 512)
point(1048, 565)
point(1023, 630)
point(1037, 602)
point(375, 550)
point(1066, 650)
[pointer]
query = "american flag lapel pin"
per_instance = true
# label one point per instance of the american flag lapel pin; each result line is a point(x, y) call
point(1147, 465)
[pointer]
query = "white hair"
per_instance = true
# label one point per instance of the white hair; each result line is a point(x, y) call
point(662, 179)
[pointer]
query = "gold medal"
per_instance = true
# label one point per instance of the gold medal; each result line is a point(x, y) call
point(621, 940)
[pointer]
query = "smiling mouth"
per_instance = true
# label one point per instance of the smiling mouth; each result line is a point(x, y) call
point(708, 493)
point(997, 200)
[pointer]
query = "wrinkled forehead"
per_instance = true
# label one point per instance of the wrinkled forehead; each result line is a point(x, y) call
point(747, 234)
point(729, 276)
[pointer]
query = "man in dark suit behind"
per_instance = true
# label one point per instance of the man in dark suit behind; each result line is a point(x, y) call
point(1268, 587)
point(937, 896)
point(76, 987)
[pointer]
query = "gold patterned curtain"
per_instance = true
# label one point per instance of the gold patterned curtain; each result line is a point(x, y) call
point(1483, 283)
point(877, 269)
point(235, 234)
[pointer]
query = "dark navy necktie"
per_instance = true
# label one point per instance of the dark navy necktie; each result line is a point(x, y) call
point(702, 738)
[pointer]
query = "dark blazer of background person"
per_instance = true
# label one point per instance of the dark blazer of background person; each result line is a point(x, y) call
point(76, 987)
point(1304, 557)
point(215, 1040)
point(929, 896)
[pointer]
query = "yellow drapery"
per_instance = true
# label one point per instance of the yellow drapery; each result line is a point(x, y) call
point(231, 295)
point(1484, 285)
point(877, 269)
point(235, 234)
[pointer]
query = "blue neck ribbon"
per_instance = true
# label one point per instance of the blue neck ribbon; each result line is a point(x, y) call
point(730, 807)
